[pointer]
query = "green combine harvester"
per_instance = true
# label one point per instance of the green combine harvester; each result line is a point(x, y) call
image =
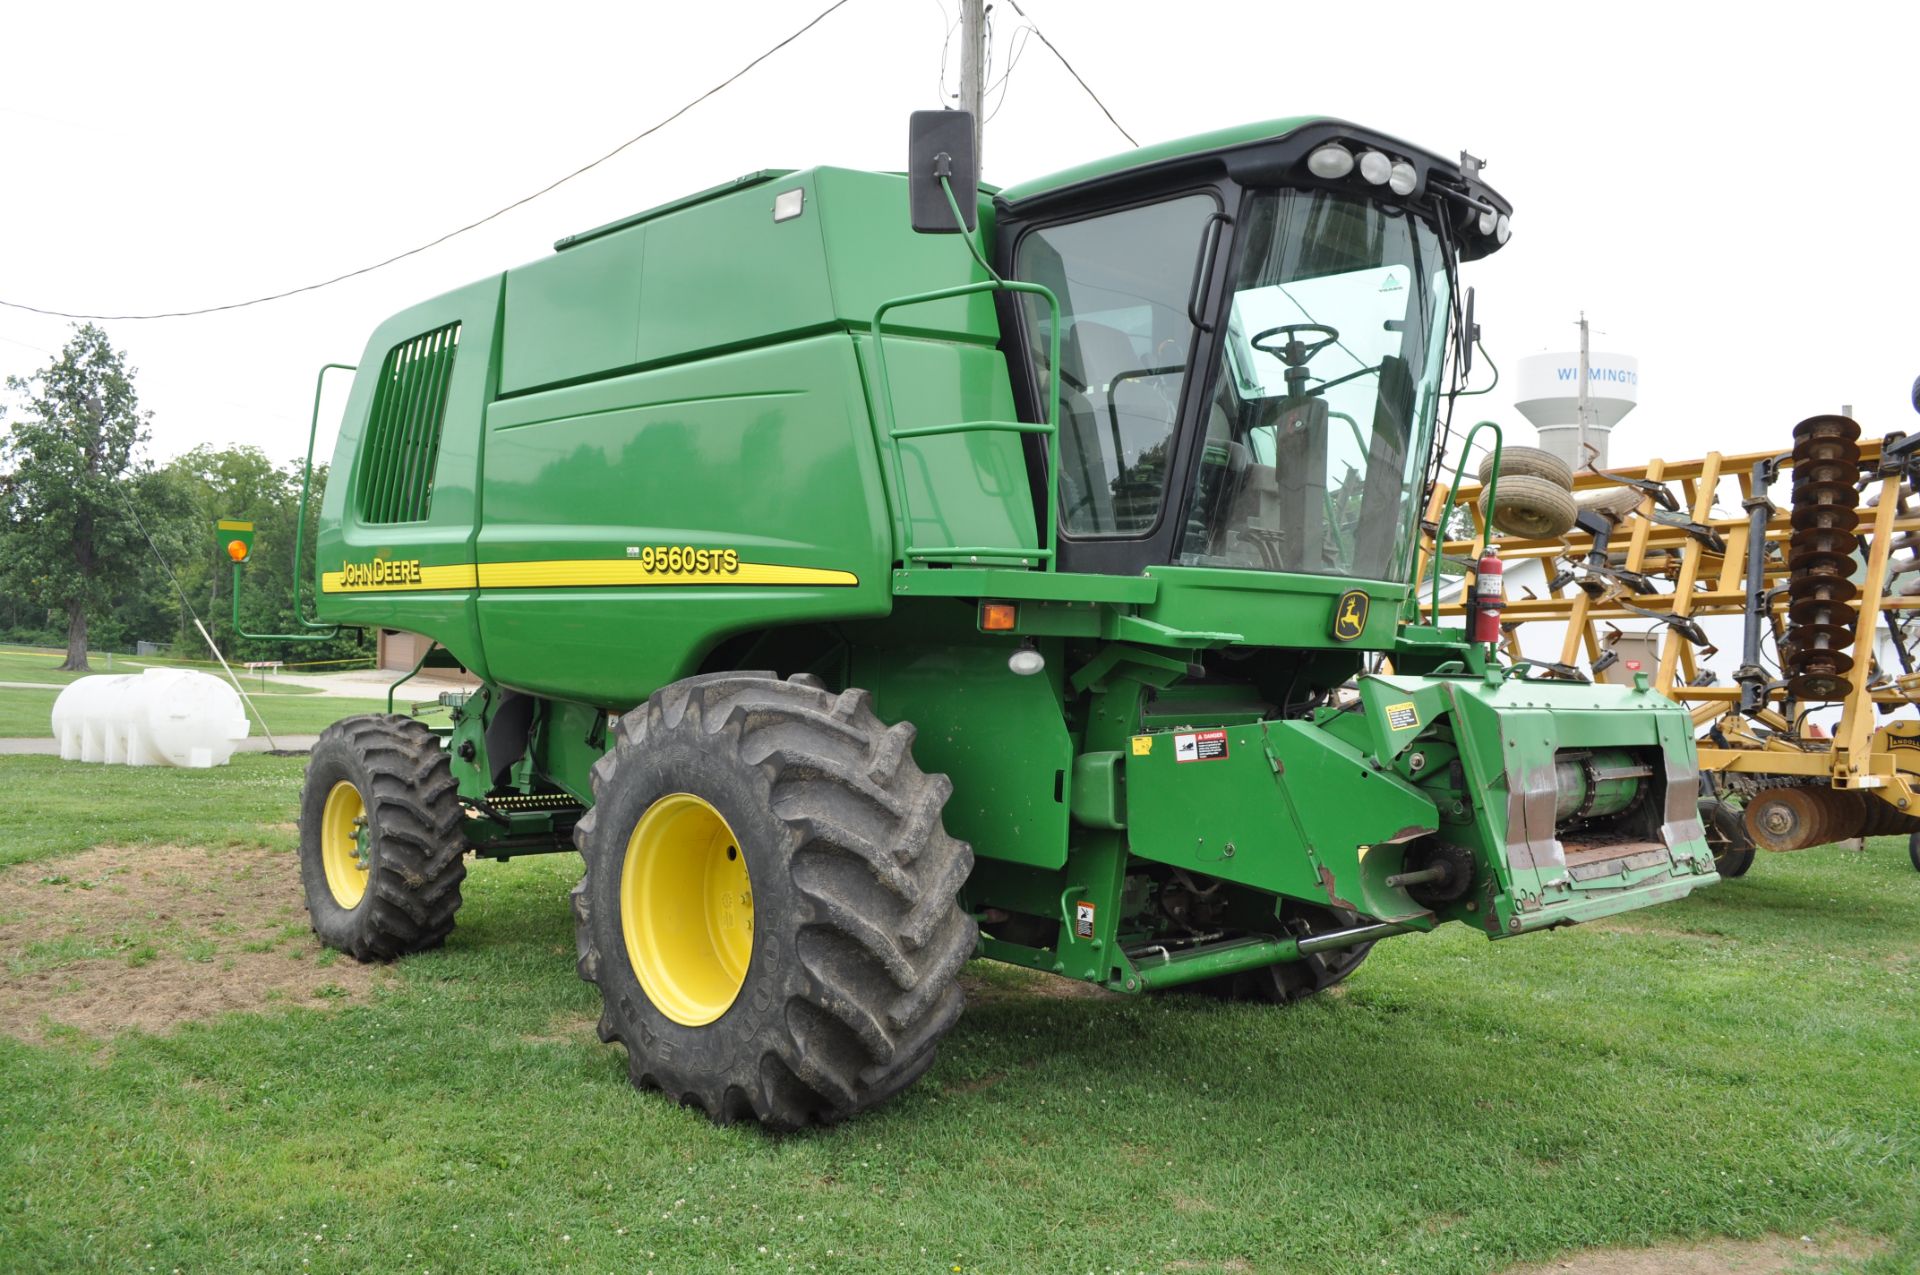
point(866, 572)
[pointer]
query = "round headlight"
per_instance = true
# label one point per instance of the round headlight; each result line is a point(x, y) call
point(1330, 161)
point(1503, 229)
point(1375, 167)
point(1487, 222)
point(1402, 179)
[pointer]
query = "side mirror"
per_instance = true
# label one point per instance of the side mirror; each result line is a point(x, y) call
point(1469, 335)
point(940, 144)
point(1916, 393)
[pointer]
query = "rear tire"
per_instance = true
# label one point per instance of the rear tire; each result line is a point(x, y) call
point(381, 842)
point(854, 935)
point(1913, 841)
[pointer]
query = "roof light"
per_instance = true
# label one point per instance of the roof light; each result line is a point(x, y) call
point(1402, 178)
point(1503, 229)
point(1330, 161)
point(1375, 167)
point(1488, 222)
point(788, 203)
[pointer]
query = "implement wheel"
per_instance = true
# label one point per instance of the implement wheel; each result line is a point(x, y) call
point(381, 844)
point(1528, 462)
point(1727, 834)
point(1913, 839)
point(1532, 507)
point(770, 905)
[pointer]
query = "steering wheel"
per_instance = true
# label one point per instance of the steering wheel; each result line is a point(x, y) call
point(1295, 353)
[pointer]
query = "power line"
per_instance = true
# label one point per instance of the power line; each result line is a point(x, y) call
point(472, 225)
point(1015, 47)
point(1075, 74)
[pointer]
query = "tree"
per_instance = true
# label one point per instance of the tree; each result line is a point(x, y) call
point(239, 481)
point(67, 474)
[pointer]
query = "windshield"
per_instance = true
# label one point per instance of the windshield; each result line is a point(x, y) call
point(1317, 427)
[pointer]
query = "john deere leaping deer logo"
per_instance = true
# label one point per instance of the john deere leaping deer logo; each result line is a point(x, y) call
point(1350, 615)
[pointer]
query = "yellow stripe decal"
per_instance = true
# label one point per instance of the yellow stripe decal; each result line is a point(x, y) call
point(577, 574)
point(233, 524)
point(602, 573)
point(461, 576)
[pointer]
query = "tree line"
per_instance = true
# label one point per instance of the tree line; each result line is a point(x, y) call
point(101, 548)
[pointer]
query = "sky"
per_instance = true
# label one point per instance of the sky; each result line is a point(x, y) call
point(1728, 192)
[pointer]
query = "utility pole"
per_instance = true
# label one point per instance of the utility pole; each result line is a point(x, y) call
point(1580, 449)
point(973, 66)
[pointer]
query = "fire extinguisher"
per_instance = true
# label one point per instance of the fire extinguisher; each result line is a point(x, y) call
point(1489, 597)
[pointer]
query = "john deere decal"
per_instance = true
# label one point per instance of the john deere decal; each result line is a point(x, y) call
point(1350, 615)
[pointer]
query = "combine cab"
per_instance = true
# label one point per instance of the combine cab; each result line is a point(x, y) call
point(864, 573)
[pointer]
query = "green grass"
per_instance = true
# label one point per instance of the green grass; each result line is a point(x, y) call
point(1744, 1062)
point(42, 664)
point(27, 713)
point(60, 807)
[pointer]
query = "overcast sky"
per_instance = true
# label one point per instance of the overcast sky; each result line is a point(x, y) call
point(1728, 191)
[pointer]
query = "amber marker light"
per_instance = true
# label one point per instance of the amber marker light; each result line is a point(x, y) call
point(237, 550)
point(998, 617)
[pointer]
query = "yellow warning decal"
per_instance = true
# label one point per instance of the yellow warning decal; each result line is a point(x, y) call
point(1143, 745)
point(233, 524)
point(1402, 716)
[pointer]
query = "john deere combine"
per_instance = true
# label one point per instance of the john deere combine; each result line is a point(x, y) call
point(865, 573)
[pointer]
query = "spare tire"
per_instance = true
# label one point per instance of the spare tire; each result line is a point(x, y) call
point(1531, 507)
point(1528, 462)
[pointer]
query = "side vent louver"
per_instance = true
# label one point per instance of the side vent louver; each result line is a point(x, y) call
point(403, 429)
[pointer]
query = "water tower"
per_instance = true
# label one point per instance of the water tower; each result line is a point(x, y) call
point(1548, 394)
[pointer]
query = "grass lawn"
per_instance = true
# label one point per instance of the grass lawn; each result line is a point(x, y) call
point(27, 713)
point(1742, 1063)
point(42, 664)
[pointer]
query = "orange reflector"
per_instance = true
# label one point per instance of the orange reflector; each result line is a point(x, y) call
point(997, 617)
point(237, 550)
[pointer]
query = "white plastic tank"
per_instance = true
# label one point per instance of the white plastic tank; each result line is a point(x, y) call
point(162, 717)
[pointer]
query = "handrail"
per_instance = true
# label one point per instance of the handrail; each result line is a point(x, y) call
point(327, 632)
point(1453, 492)
point(1050, 428)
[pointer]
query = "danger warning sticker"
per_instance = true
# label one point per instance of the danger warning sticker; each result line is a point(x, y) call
point(1083, 920)
point(1205, 745)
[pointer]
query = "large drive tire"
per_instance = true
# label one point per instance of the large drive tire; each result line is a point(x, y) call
point(1913, 839)
point(1528, 462)
point(812, 976)
point(1535, 508)
point(381, 841)
point(1291, 981)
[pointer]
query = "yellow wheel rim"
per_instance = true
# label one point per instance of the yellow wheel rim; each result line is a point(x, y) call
point(686, 909)
point(340, 824)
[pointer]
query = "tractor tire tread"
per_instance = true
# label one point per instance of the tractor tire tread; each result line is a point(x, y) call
point(418, 864)
point(875, 924)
